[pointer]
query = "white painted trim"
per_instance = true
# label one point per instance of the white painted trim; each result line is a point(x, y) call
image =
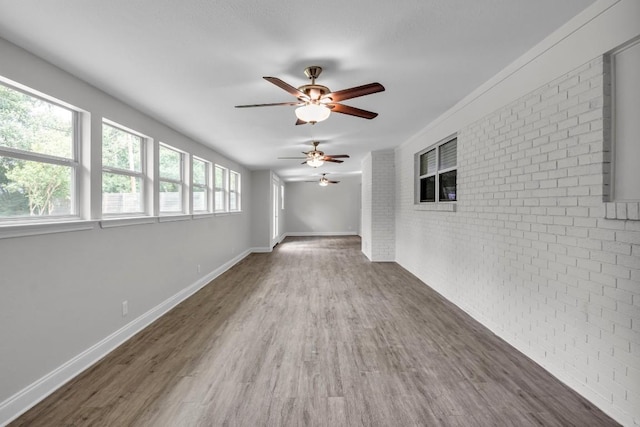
point(35, 229)
point(203, 215)
point(371, 259)
point(622, 210)
point(124, 222)
point(381, 260)
point(171, 218)
point(28, 397)
point(435, 206)
point(261, 250)
point(320, 233)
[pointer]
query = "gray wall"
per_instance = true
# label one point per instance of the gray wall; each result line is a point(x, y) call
point(262, 211)
point(312, 209)
point(62, 293)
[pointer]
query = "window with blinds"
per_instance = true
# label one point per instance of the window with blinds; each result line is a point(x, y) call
point(438, 172)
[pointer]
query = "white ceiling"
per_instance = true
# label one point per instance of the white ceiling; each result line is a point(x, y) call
point(187, 63)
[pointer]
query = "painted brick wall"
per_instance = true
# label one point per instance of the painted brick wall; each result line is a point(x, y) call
point(383, 221)
point(378, 206)
point(529, 252)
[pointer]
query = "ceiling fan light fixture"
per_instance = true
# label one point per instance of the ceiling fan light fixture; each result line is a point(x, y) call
point(323, 183)
point(313, 113)
point(315, 162)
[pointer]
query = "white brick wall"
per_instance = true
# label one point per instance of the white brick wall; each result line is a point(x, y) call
point(366, 197)
point(378, 206)
point(529, 251)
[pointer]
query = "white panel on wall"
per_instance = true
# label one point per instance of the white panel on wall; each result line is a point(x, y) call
point(626, 108)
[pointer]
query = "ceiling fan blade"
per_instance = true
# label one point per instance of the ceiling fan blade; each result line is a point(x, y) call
point(355, 92)
point(337, 156)
point(286, 86)
point(329, 159)
point(300, 122)
point(352, 111)
point(269, 105)
point(291, 158)
point(333, 182)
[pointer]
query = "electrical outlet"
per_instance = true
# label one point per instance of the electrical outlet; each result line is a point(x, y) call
point(125, 308)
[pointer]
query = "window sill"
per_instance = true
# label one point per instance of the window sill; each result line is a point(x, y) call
point(225, 213)
point(203, 215)
point(123, 222)
point(622, 210)
point(438, 207)
point(35, 229)
point(178, 217)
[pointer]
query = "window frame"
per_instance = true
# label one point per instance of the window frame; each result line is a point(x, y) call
point(617, 173)
point(207, 186)
point(224, 188)
point(143, 174)
point(436, 173)
point(74, 162)
point(237, 191)
point(181, 182)
point(616, 142)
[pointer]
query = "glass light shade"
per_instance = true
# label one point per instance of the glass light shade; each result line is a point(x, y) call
point(323, 183)
point(315, 162)
point(313, 113)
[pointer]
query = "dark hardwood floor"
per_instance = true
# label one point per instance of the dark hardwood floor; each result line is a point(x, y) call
point(314, 334)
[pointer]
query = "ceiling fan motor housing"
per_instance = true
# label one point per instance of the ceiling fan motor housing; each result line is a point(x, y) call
point(314, 92)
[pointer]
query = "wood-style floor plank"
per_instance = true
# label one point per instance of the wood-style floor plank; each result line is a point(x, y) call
point(314, 334)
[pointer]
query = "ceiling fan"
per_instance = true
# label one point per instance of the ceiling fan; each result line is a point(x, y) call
point(324, 181)
point(316, 158)
point(316, 102)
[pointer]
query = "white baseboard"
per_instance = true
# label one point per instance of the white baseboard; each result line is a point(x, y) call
point(320, 233)
point(26, 398)
point(261, 250)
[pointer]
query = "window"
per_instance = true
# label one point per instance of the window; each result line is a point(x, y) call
point(123, 167)
point(39, 166)
point(221, 189)
point(234, 191)
point(172, 183)
point(437, 173)
point(201, 172)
